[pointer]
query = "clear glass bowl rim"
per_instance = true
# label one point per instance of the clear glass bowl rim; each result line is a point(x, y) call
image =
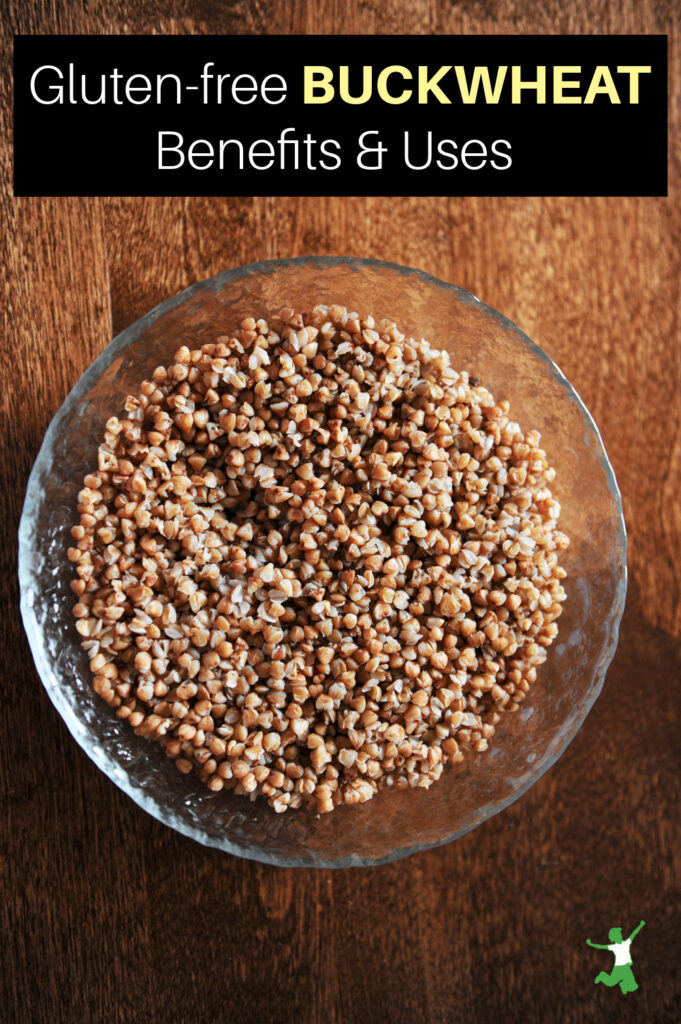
point(130, 334)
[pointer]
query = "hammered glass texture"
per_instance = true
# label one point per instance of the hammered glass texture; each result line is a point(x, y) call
point(396, 822)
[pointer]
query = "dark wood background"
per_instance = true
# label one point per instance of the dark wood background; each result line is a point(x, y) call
point(106, 915)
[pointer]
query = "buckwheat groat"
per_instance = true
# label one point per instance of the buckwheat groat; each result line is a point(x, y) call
point(315, 560)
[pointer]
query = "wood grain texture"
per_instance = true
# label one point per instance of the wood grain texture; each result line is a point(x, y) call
point(108, 916)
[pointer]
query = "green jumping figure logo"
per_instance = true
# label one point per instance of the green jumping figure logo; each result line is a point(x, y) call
point(621, 973)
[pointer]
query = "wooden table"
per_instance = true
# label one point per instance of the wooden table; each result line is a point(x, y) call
point(107, 915)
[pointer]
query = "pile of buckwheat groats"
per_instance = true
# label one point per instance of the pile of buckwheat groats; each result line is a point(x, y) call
point(316, 560)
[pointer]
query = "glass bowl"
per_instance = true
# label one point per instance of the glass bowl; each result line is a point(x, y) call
point(396, 822)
